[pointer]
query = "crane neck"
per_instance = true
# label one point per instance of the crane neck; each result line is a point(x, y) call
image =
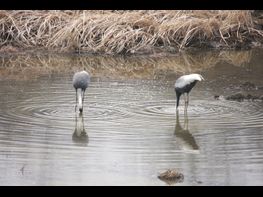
point(80, 99)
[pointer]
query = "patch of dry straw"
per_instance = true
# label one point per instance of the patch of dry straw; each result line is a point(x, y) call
point(121, 32)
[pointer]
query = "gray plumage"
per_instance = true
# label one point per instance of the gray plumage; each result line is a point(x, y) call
point(81, 82)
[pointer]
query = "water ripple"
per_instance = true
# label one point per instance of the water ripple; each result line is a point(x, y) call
point(130, 125)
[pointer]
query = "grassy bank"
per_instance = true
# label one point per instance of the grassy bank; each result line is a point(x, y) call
point(128, 32)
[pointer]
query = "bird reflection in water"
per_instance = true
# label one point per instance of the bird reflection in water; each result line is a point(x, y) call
point(80, 136)
point(184, 138)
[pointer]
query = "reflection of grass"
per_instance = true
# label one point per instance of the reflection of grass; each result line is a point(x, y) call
point(237, 58)
point(115, 32)
point(30, 67)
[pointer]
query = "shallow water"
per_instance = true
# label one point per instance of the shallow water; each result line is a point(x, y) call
point(131, 129)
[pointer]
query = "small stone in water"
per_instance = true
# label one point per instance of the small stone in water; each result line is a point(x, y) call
point(171, 176)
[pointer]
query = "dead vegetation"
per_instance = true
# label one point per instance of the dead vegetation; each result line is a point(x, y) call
point(129, 32)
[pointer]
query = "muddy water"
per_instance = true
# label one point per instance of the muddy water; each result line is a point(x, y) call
point(129, 131)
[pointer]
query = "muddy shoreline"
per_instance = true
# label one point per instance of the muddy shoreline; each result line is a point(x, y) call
point(10, 50)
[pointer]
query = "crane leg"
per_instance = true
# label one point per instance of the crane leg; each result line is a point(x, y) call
point(83, 91)
point(185, 120)
point(187, 99)
point(184, 99)
point(76, 101)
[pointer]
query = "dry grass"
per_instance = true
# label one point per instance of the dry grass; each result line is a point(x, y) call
point(127, 32)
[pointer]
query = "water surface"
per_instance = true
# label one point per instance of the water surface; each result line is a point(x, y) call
point(129, 131)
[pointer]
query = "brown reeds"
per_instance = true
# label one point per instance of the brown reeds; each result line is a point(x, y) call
point(127, 32)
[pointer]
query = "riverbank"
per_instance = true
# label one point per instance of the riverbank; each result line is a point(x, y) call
point(129, 32)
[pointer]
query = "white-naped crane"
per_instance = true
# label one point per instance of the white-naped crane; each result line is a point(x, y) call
point(184, 84)
point(81, 81)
